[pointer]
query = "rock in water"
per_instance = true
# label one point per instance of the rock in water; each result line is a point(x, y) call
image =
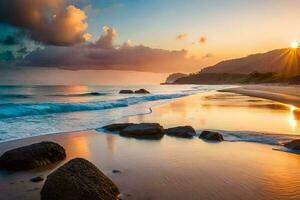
point(117, 127)
point(181, 131)
point(143, 131)
point(142, 91)
point(210, 135)
point(32, 156)
point(126, 92)
point(79, 179)
point(294, 145)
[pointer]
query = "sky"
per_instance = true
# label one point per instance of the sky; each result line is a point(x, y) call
point(134, 41)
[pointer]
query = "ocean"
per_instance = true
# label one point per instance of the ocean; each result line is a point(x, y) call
point(27, 111)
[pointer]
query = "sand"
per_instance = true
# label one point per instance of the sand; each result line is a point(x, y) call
point(284, 94)
point(174, 168)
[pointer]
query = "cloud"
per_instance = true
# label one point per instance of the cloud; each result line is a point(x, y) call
point(181, 36)
point(48, 21)
point(103, 55)
point(202, 40)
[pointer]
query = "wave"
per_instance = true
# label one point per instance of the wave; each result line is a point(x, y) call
point(8, 110)
point(80, 95)
point(258, 137)
point(15, 96)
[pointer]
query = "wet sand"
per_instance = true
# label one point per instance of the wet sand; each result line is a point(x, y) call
point(174, 168)
point(285, 94)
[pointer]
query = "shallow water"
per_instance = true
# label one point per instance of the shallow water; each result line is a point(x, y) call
point(238, 117)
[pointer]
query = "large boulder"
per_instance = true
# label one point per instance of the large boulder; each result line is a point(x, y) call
point(32, 156)
point(78, 179)
point(294, 145)
point(142, 91)
point(144, 131)
point(126, 92)
point(181, 131)
point(210, 135)
point(117, 126)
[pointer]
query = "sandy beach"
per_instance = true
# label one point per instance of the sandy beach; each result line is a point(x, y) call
point(175, 168)
point(284, 94)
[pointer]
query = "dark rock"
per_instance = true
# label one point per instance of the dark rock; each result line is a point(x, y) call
point(142, 91)
point(37, 179)
point(117, 127)
point(210, 135)
point(126, 92)
point(116, 171)
point(181, 131)
point(78, 179)
point(32, 156)
point(294, 145)
point(144, 131)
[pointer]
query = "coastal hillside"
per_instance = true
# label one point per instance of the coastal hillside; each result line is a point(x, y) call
point(280, 60)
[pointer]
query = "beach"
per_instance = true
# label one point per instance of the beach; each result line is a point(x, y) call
point(174, 168)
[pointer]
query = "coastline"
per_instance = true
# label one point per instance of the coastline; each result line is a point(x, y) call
point(214, 167)
point(284, 94)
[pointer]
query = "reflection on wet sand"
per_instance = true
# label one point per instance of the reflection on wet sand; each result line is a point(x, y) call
point(227, 111)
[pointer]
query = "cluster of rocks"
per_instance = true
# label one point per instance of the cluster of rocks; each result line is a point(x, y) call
point(77, 179)
point(140, 91)
point(156, 131)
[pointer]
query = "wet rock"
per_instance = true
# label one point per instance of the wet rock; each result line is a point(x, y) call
point(117, 126)
point(37, 179)
point(32, 156)
point(181, 131)
point(210, 135)
point(144, 131)
point(78, 179)
point(126, 92)
point(294, 145)
point(115, 171)
point(142, 91)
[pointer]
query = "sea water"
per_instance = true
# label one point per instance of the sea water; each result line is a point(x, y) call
point(27, 111)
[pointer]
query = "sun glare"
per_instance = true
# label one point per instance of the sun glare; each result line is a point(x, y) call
point(294, 44)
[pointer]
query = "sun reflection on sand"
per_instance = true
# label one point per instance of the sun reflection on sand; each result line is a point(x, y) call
point(292, 119)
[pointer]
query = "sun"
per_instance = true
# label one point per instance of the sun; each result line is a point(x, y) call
point(294, 44)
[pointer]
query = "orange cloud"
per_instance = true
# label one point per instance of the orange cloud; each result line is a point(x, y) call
point(181, 36)
point(202, 40)
point(47, 21)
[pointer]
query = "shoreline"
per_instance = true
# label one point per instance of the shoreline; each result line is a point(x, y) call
point(282, 94)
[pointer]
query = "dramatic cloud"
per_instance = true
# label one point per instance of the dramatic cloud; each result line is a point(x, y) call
point(202, 40)
point(46, 21)
point(181, 36)
point(103, 55)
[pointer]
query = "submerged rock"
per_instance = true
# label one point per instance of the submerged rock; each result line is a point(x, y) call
point(32, 156)
point(144, 131)
point(37, 179)
point(78, 179)
point(117, 126)
point(181, 131)
point(126, 92)
point(210, 135)
point(294, 145)
point(142, 91)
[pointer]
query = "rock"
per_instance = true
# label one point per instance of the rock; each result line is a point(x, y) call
point(78, 179)
point(32, 156)
point(115, 171)
point(37, 179)
point(142, 91)
point(294, 145)
point(117, 127)
point(126, 92)
point(181, 131)
point(144, 131)
point(210, 135)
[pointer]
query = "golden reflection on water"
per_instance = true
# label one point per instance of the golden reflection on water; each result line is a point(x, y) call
point(227, 111)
